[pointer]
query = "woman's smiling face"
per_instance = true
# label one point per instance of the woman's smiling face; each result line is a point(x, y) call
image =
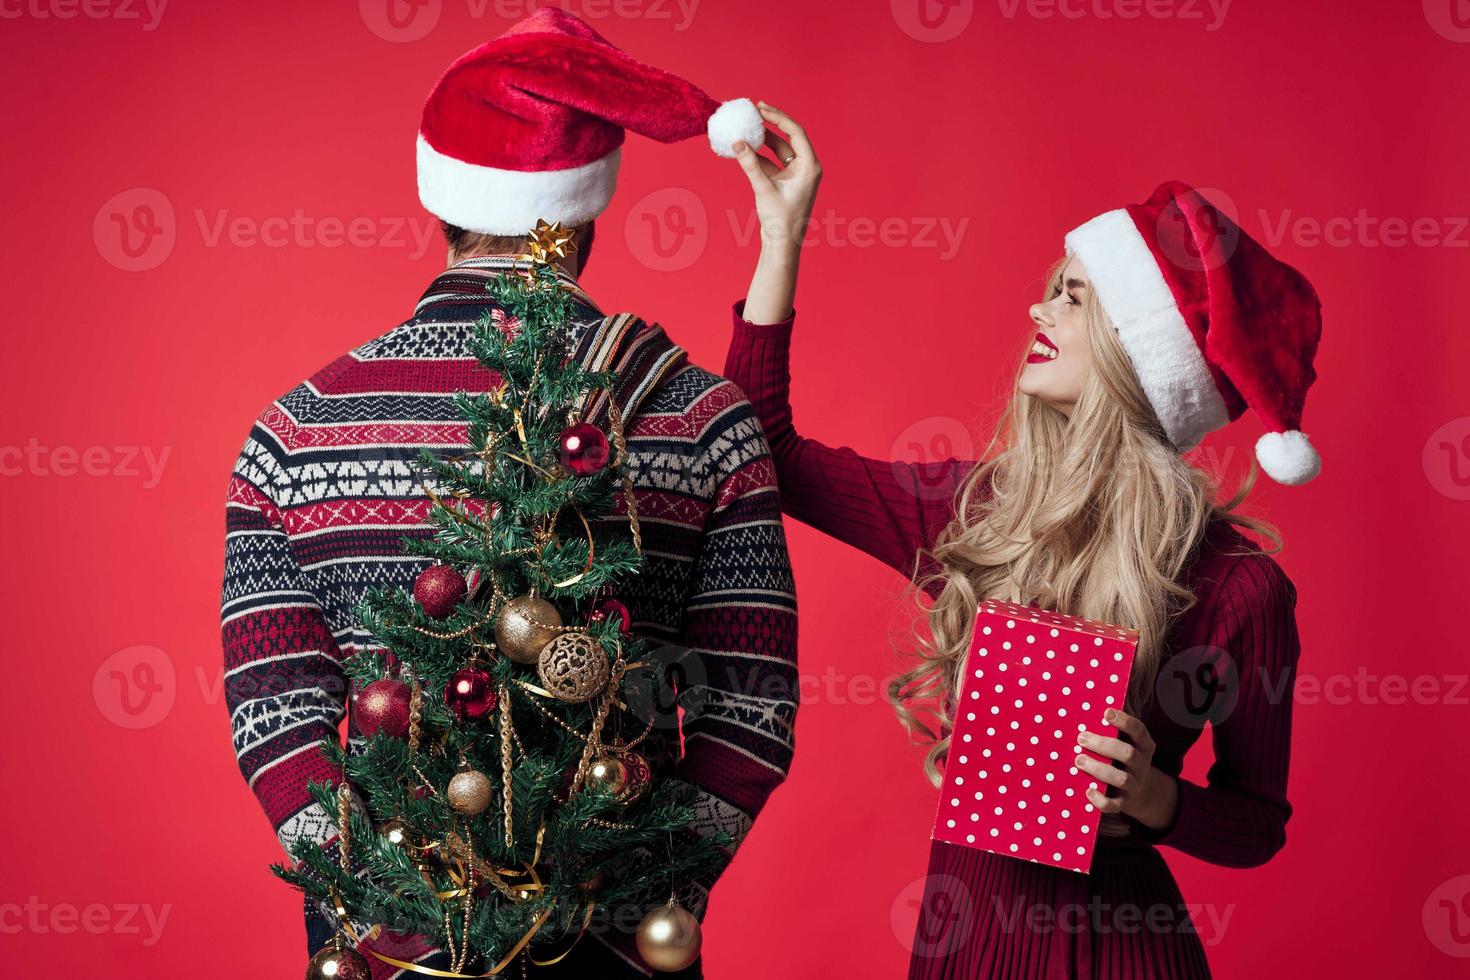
point(1060, 360)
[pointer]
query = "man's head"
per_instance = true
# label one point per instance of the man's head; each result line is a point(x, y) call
point(464, 244)
point(529, 127)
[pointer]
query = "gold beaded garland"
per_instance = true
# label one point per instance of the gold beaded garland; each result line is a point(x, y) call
point(525, 626)
point(574, 667)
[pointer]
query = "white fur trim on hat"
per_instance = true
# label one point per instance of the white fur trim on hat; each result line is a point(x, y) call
point(1288, 457)
point(734, 121)
point(509, 202)
point(1168, 362)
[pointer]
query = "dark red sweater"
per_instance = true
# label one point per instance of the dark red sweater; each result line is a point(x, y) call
point(1244, 619)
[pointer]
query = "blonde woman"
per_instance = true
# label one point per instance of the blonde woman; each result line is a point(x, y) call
point(1162, 322)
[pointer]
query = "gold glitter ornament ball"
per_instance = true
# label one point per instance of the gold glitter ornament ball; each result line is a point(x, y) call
point(574, 667)
point(524, 627)
point(669, 938)
point(331, 963)
point(469, 792)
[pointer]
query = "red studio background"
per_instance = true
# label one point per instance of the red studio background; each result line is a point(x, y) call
point(206, 202)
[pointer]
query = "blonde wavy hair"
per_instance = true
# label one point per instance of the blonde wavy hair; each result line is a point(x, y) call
point(1092, 515)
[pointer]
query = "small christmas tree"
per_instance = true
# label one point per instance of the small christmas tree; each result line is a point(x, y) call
point(505, 795)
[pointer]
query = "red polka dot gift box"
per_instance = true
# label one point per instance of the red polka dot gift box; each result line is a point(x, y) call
point(1033, 680)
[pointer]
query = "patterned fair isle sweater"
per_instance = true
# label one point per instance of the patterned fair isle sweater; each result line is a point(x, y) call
point(325, 491)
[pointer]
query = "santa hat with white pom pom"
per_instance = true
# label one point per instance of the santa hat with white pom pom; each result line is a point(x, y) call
point(530, 125)
point(1212, 323)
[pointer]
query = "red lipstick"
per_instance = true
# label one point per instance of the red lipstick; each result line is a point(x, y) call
point(1034, 358)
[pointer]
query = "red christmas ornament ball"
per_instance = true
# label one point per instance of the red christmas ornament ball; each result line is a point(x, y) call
point(438, 589)
point(382, 706)
point(470, 694)
point(332, 963)
point(584, 448)
point(640, 775)
point(607, 608)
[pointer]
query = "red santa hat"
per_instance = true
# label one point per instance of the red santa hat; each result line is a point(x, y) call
point(530, 125)
point(1212, 322)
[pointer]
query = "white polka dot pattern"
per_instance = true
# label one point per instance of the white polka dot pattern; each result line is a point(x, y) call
point(1037, 678)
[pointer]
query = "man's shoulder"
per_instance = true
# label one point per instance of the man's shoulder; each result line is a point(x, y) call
point(704, 401)
point(408, 372)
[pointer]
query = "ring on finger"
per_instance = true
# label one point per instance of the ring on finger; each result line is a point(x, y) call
point(787, 161)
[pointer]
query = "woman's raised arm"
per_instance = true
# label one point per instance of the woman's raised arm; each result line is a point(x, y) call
point(890, 509)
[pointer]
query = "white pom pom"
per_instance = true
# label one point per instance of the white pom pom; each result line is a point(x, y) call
point(1288, 457)
point(733, 122)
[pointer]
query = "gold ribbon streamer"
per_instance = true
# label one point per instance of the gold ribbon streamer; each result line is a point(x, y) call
point(586, 921)
point(591, 550)
point(429, 971)
point(534, 689)
point(463, 518)
point(521, 425)
point(527, 462)
point(347, 922)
